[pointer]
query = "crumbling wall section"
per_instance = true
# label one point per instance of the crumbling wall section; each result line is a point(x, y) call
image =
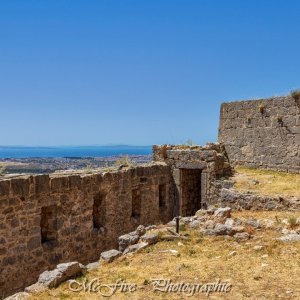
point(209, 159)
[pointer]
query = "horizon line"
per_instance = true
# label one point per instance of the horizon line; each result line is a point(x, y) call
point(69, 146)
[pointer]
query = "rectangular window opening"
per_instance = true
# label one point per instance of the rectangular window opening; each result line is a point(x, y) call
point(49, 224)
point(99, 211)
point(136, 203)
point(162, 195)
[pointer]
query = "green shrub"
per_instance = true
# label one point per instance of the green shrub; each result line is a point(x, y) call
point(88, 169)
point(262, 108)
point(2, 170)
point(189, 142)
point(292, 222)
point(296, 94)
point(124, 161)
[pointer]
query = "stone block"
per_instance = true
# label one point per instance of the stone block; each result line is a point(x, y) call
point(110, 255)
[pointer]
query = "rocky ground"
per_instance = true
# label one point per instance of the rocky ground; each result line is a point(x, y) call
point(256, 253)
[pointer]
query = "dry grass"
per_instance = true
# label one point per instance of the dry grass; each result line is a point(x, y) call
point(271, 273)
point(267, 182)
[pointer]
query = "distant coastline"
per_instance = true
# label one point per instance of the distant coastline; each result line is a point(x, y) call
point(7, 152)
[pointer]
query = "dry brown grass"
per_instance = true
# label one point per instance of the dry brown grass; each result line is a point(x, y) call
point(271, 273)
point(268, 182)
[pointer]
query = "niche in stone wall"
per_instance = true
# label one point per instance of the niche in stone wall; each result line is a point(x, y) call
point(136, 204)
point(99, 211)
point(162, 195)
point(49, 224)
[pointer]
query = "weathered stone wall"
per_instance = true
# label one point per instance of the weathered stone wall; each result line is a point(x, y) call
point(262, 133)
point(45, 219)
point(211, 163)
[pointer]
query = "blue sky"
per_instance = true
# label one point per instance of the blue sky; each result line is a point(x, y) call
point(138, 72)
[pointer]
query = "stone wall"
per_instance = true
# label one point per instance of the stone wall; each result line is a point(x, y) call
point(262, 133)
point(45, 220)
point(187, 164)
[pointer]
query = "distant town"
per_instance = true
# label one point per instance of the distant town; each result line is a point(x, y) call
point(52, 165)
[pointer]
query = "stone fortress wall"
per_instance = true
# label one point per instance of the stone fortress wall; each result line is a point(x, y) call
point(262, 133)
point(45, 220)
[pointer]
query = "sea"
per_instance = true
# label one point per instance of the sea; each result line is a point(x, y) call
point(72, 151)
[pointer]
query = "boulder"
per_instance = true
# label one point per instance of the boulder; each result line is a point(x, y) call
point(221, 229)
point(271, 205)
point(228, 195)
point(135, 248)
point(242, 236)
point(210, 224)
point(267, 223)
point(62, 272)
point(194, 224)
point(229, 222)
point(254, 223)
point(127, 240)
point(293, 237)
point(238, 229)
point(223, 212)
point(110, 255)
point(141, 230)
point(150, 238)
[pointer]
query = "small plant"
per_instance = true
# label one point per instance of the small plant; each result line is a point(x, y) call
point(88, 169)
point(160, 235)
point(2, 170)
point(190, 143)
point(182, 227)
point(126, 262)
point(149, 249)
point(296, 94)
point(292, 222)
point(124, 161)
point(147, 282)
point(199, 240)
point(248, 120)
point(262, 108)
point(280, 120)
point(191, 252)
point(184, 266)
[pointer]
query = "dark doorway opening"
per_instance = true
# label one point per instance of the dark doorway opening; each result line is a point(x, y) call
point(190, 191)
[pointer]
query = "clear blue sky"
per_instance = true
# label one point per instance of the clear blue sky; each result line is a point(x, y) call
point(85, 72)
